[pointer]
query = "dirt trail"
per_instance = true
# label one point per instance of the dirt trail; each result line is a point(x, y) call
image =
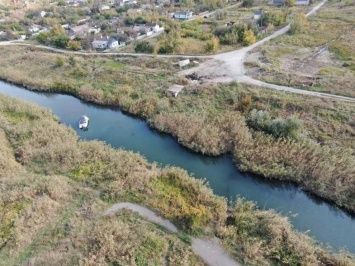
point(209, 249)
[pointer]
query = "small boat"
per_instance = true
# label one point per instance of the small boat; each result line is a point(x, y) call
point(83, 122)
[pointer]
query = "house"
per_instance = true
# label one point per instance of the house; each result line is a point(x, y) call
point(175, 89)
point(73, 3)
point(34, 28)
point(278, 3)
point(100, 43)
point(183, 15)
point(107, 43)
point(257, 15)
point(154, 27)
point(77, 31)
point(301, 2)
point(112, 43)
point(105, 7)
point(3, 35)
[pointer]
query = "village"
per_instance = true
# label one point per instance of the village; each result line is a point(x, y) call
point(113, 25)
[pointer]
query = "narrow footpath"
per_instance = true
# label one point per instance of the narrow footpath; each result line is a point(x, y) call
point(209, 249)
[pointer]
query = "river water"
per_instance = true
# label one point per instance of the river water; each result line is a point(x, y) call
point(327, 224)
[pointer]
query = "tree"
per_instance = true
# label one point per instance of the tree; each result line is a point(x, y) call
point(248, 37)
point(140, 20)
point(298, 24)
point(144, 47)
point(74, 45)
point(43, 38)
point(290, 2)
point(60, 41)
point(247, 3)
point(129, 21)
point(212, 45)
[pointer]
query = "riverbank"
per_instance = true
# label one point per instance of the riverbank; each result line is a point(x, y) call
point(212, 119)
point(33, 134)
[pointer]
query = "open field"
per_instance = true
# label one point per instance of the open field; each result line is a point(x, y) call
point(280, 139)
point(53, 195)
point(320, 58)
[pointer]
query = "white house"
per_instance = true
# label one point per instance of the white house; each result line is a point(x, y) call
point(301, 2)
point(100, 43)
point(154, 27)
point(107, 43)
point(105, 7)
point(112, 43)
point(182, 15)
point(34, 28)
point(257, 15)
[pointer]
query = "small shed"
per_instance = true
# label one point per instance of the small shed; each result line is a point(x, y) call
point(175, 89)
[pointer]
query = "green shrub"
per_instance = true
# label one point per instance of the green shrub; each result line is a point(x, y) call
point(144, 47)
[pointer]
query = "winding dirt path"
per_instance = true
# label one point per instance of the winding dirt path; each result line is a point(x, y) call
point(209, 249)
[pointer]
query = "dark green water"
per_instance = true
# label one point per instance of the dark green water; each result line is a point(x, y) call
point(326, 223)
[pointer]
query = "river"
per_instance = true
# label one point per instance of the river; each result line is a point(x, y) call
point(326, 223)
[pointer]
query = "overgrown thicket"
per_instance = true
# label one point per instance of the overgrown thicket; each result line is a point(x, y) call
point(327, 172)
point(258, 234)
point(74, 232)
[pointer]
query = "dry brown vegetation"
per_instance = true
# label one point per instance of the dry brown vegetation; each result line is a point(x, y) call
point(50, 213)
point(321, 57)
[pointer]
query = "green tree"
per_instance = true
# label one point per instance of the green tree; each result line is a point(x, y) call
point(60, 41)
point(43, 38)
point(140, 20)
point(247, 3)
point(144, 47)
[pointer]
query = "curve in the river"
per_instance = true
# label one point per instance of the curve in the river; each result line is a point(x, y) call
point(325, 222)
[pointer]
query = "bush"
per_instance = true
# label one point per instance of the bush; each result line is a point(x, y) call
point(261, 121)
point(298, 24)
point(247, 3)
point(74, 45)
point(144, 47)
point(59, 61)
point(248, 37)
point(213, 45)
point(140, 20)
